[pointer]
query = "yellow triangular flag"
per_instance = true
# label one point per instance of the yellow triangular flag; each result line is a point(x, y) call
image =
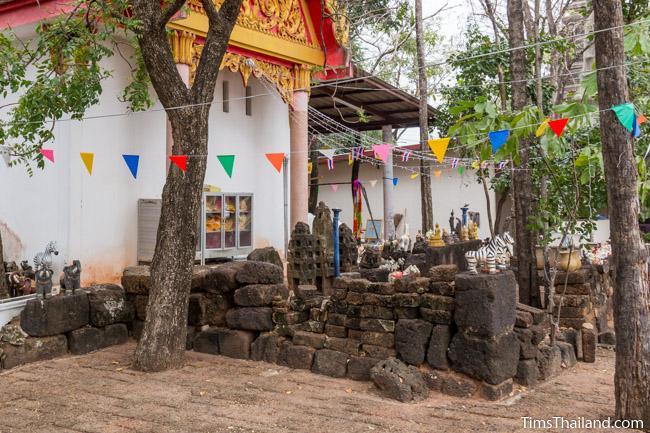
point(414, 176)
point(542, 128)
point(310, 167)
point(439, 147)
point(88, 159)
point(350, 159)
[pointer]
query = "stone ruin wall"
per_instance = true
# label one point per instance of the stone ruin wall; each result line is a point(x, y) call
point(465, 334)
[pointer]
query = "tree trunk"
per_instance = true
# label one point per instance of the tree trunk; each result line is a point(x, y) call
point(162, 345)
point(629, 255)
point(425, 169)
point(4, 290)
point(522, 181)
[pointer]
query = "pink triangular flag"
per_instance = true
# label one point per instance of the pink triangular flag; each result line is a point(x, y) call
point(381, 150)
point(48, 153)
point(335, 188)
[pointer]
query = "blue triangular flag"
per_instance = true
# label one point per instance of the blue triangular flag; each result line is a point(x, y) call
point(498, 139)
point(395, 181)
point(636, 131)
point(132, 162)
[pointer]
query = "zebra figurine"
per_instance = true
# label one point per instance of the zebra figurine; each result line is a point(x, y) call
point(43, 270)
point(492, 256)
point(43, 260)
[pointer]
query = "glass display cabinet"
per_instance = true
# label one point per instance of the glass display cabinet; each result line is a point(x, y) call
point(227, 225)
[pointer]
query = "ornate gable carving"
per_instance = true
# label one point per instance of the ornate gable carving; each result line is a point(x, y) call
point(279, 18)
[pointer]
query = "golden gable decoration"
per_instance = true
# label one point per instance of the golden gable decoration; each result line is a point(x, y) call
point(280, 18)
point(284, 78)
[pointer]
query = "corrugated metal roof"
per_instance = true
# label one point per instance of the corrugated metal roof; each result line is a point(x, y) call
point(381, 103)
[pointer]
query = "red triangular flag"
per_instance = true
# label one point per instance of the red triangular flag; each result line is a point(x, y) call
point(558, 125)
point(48, 153)
point(276, 159)
point(179, 161)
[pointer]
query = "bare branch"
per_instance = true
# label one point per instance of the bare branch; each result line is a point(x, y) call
point(171, 10)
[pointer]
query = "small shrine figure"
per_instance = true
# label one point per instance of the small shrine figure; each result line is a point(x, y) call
point(447, 238)
point(71, 280)
point(473, 230)
point(464, 234)
point(436, 238)
point(44, 282)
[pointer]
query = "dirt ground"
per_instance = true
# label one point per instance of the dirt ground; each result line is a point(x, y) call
point(99, 393)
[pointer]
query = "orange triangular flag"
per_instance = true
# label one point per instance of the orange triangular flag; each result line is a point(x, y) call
point(88, 159)
point(558, 125)
point(276, 159)
point(437, 173)
point(179, 161)
point(641, 119)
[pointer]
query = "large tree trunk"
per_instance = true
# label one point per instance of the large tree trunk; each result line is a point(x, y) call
point(4, 290)
point(423, 93)
point(162, 345)
point(629, 255)
point(521, 178)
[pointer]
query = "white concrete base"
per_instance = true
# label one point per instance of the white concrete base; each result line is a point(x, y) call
point(10, 308)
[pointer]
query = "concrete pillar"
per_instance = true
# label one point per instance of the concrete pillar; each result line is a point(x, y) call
point(389, 225)
point(298, 118)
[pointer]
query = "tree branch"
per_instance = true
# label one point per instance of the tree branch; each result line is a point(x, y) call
point(171, 10)
point(221, 25)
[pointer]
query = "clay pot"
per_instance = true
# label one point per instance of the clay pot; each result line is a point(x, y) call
point(574, 264)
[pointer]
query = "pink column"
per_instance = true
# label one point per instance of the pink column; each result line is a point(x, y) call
point(184, 71)
point(298, 118)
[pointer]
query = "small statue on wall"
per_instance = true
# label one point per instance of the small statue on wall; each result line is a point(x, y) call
point(43, 268)
point(71, 280)
point(44, 282)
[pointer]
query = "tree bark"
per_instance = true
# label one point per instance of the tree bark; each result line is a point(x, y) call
point(629, 255)
point(423, 94)
point(4, 290)
point(162, 345)
point(522, 181)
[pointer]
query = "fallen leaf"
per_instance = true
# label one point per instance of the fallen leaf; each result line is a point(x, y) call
point(349, 390)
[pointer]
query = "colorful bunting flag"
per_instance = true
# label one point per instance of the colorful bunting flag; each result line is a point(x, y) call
point(382, 151)
point(276, 160)
point(415, 175)
point(132, 162)
point(48, 154)
point(455, 162)
point(406, 155)
point(641, 119)
point(542, 128)
point(437, 173)
point(330, 164)
point(88, 159)
point(335, 187)
point(179, 161)
point(461, 169)
point(395, 180)
point(373, 183)
point(636, 131)
point(227, 162)
point(439, 147)
point(350, 159)
point(502, 164)
point(328, 153)
point(357, 152)
point(498, 139)
point(625, 114)
point(558, 125)
point(310, 167)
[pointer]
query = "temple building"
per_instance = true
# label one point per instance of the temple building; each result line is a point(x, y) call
point(107, 218)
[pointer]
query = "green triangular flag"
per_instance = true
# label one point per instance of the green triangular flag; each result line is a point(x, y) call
point(227, 162)
point(461, 170)
point(625, 114)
